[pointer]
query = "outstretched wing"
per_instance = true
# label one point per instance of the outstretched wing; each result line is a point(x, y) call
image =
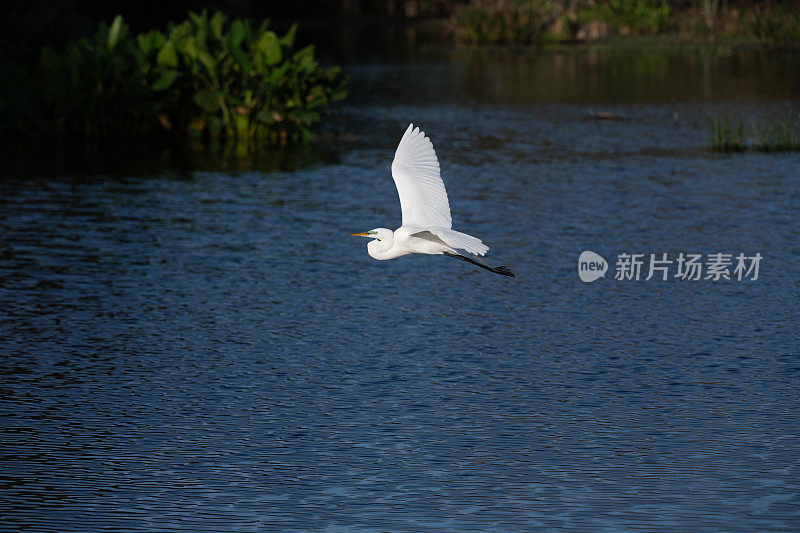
point(415, 169)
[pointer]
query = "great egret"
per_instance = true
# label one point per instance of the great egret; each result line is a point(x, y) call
point(427, 226)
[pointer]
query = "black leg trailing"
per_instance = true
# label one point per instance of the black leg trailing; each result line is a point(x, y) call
point(503, 271)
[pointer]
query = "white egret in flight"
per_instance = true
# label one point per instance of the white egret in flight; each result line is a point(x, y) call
point(427, 227)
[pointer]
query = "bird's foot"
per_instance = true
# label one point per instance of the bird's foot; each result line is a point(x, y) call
point(504, 271)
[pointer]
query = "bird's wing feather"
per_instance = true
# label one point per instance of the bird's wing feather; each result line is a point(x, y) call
point(460, 241)
point(415, 169)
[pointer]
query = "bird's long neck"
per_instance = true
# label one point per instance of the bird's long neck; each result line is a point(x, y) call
point(381, 248)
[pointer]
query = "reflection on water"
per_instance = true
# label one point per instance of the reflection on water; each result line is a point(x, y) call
point(612, 76)
point(412, 68)
point(141, 158)
point(191, 349)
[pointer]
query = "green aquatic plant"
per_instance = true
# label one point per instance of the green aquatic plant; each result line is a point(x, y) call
point(781, 135)
point(726, 135)
point(219, 77)
point(503, 21)
point(246, 81)
point(778, 136)
point(94, 88)
point(631, 17)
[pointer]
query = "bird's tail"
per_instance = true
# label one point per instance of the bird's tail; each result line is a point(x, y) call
point(461, 241)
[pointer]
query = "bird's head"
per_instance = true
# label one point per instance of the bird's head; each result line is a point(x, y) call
point(377, 233)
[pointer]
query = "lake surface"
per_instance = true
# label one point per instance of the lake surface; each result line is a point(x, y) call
point(194, 344)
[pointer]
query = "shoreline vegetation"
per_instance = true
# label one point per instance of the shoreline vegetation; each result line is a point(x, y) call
point(232, 79)
point(537, 22)
point(206, 77)
point(728, 134)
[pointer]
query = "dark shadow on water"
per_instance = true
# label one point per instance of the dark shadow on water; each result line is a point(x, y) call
point(32, 159)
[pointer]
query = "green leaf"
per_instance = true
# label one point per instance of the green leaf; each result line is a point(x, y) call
point(147, 42)
point(165, 80)
point(305, 58)
point(278, 73)
point(199, 20)
point(340, 94)
point(288, 39)
point(188, 48)
point(270, 46)
point(217, 21)
point(167, 56)
point(208, 60)
point(236, 33)
point(206, 101)
point(242, 59)
point(115, 32)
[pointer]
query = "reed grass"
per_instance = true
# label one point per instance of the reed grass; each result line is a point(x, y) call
point(727, 134)
point(779, 135)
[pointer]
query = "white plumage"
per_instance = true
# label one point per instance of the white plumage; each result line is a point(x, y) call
point(415, 169)
point(427, 224)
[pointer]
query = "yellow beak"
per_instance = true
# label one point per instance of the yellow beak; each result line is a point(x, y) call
point(359, 234)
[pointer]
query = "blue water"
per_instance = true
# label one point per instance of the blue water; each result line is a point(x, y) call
point(203, 349)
